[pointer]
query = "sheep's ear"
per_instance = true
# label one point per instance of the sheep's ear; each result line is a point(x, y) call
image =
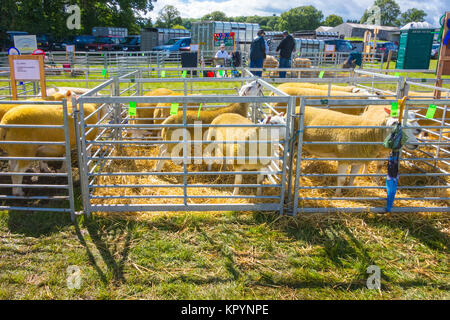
point(68, 93)
point(281, 114)
point(388, 110)
point(268, 119)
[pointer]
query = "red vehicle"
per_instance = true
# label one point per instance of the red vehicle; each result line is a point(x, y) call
point(103, 44)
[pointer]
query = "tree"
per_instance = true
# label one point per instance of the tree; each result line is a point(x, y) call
point(168, 17)
point(389, 12)
point(300, 18)
point(177, 26)
point(412, 15)
point(215, 16)
point(333, 20)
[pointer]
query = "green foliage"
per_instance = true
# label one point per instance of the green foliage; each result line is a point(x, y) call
point(168, 16)
point(333, 20)
point(177, 26)
point(215, 16)
point(412, 15)
point(300, 18)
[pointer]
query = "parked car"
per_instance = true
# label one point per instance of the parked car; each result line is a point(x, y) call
point(340, 45)
point(80, 42)
point(435, 50)
point(103, 44)
point(130, 43)
point(175, 44)
point(44, 41)
point(60, 45)
point(385, 47)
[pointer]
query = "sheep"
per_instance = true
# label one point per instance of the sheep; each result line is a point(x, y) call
point(272, 63)
point(4, 108)
point(297, 91)
point(43, 115)
point(322, 117)
point(230, 149)
point(206, 117)
point(148, 110)
point(162, 110)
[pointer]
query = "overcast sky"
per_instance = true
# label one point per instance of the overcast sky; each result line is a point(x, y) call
point(348, 9)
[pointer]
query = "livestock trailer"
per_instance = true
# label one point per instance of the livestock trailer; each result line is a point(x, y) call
point(152, 37)
point(203, 34)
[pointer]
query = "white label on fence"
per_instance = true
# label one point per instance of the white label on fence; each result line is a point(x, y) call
point(330, 48)
point(25, 44)
point(27, 70)
point(194, 47)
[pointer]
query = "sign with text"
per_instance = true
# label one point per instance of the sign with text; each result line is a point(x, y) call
point(25, 44)
point(70, 48)
point(226, 38)
point(27, 68)
point(330, 48)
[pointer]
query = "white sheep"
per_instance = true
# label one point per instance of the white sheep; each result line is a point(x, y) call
point(233, 148)
point(323, 117)
point(206, 117)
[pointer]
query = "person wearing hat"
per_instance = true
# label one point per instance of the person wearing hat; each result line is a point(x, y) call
point(286, 47)
point(258, 52)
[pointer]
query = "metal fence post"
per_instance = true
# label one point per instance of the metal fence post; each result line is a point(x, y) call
point(68, 160)
point(301, 120)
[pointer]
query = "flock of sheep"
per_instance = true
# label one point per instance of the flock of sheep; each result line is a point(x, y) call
point(375, 116)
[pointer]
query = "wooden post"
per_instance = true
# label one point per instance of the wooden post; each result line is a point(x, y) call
point(443, 65)
point(389, 57)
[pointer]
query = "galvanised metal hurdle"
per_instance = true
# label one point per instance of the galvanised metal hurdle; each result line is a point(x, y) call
point(300, 202)
point(98, 166)
point(50, 192)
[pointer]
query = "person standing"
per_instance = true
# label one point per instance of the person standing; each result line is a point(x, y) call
point(258, 52)
point(286, 47)
point(222, 54)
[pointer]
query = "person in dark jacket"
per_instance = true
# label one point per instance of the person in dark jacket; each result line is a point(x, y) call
point(286, 46)
point(258, 53)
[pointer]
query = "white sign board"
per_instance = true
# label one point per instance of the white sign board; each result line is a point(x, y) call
point(194, 47)
point(27, 70)
point(330, 48)
point(70, 48)
point(25, 44)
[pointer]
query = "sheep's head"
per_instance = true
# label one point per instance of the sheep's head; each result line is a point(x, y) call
point(412, 130)
point(277, 120)
point(253, 88)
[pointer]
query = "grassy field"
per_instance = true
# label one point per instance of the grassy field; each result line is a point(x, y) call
point(224, 255)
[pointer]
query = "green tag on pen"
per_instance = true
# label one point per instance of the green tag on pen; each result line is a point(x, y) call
point(221, 73)
point(431, 111)
point(184, 74)
point(321, 74)
point(199, 110)
point(397, 74)
point(104, 72)
point(394, 109)
point(132, 108)
point(174, 108)
point(163, 74)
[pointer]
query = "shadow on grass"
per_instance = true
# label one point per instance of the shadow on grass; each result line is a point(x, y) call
point(36, 224)
point(112, 239)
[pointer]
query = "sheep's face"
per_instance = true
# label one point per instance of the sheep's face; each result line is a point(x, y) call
point(411, 143)
point(277, 120)
point(253, 88)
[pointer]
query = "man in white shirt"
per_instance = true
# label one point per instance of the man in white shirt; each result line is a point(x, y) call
point(222, 53)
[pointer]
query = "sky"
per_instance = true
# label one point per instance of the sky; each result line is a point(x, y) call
point(348, 9)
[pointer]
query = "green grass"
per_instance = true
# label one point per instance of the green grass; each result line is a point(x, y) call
point(224, 256)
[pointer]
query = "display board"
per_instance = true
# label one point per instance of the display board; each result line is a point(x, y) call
point(228, 38)
point(25, 44)
point(27, 68)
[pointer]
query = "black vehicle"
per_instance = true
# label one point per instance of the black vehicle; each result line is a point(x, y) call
point(61, 44)
point(340, 45)
point(44, 41)
point(81, 42)
point(130, 43)
point(385, 47)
